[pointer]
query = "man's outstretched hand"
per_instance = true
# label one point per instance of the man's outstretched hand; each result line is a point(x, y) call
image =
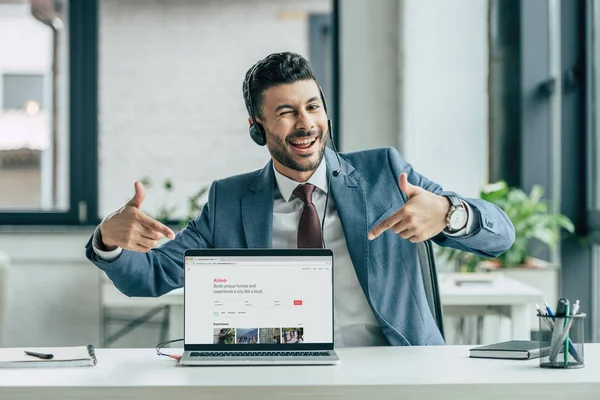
point(421, 218)
point(131, 229)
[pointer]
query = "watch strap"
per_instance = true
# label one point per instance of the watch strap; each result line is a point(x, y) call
point(454, 200)
point(456, 204)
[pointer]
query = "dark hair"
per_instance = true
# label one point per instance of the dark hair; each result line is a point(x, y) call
point(274, 69)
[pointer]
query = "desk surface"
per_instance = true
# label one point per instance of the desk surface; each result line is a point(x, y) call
point(399, 372)
point(500, 290)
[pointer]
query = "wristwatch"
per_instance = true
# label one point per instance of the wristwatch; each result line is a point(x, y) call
point(457, 216)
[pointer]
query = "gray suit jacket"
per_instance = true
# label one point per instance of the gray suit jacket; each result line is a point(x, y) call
point(239, 214)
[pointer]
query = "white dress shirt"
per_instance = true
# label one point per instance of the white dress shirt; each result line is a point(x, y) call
point(354, 322)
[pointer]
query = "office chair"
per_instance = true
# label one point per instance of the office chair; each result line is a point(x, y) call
point(426, 259)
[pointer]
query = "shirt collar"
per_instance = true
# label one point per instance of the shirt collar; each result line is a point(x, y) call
point(286, 185)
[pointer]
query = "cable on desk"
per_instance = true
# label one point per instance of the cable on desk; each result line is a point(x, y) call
point(163, 344)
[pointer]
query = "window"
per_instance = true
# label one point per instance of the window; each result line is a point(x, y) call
point(594, 98)
point(24, 92)
point(593, 147)
point(170, 91)
point(110, 92)
point(48, 123)
point(33, 136)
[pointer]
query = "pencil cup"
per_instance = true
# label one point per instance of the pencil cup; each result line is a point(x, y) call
point(561, 341)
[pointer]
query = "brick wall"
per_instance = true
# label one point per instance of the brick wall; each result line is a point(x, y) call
point(170, 89)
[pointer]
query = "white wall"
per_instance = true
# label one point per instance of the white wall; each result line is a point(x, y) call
point(370, 74)
point(445, 72)
point(170, 89)
point(414, 76)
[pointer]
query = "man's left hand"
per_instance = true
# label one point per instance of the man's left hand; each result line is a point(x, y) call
point(422, 217)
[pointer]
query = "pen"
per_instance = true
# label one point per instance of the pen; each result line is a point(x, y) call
point(43, 356)
point(566, 336)
point(539, 310)
point(555, 343)
point(575, 309)
point(572, 348)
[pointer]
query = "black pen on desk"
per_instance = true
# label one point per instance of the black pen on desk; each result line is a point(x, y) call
point(43, 356)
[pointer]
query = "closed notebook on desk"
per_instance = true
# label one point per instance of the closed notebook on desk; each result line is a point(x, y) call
point(77, 356)
point(513, 349)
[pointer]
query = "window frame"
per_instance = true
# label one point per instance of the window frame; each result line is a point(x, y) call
point(555, 85)
point(83, 27)
point(83, 125)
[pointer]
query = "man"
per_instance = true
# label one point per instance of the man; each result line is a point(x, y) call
point(369, 207)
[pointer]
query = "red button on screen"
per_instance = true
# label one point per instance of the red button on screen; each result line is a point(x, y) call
point(297, 302)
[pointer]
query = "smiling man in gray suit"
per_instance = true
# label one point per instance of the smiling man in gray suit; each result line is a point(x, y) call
point(369, 207)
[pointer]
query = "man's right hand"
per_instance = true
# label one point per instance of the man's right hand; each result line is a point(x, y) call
point(131, 229)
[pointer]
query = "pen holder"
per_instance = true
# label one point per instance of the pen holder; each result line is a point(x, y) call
point(561, 341)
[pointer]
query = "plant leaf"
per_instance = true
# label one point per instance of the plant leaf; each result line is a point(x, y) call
point(564, 222)
point(494, 192)
point(546, 235)
point(536, 194)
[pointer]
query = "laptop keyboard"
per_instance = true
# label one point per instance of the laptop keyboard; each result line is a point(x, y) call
point(258, 353)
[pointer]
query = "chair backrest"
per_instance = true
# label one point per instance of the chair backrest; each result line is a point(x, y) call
point(430, 281)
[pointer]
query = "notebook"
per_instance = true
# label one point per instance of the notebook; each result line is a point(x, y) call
point(76, 356)
point(513, 349)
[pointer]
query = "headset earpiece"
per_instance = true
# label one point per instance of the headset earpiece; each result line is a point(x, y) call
point(257, 134)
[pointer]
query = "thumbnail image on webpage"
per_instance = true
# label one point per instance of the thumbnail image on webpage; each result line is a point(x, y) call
point(258, 335)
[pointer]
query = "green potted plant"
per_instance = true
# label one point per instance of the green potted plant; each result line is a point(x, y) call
point(531, 219)
point(164, 213)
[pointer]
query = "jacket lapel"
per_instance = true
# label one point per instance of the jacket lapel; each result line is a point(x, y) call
point(348, 191)
point(257, 209)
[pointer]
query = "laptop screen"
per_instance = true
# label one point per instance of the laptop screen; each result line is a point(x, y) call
point(262, 299)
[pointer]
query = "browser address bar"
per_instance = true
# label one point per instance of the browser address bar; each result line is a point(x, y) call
point(300, 263)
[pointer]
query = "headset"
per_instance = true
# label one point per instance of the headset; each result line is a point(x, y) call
point(257, 131)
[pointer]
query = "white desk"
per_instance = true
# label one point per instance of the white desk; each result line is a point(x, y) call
point(400, 373)
point(502, 296)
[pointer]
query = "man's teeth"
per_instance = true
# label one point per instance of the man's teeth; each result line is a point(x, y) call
point(305, 141)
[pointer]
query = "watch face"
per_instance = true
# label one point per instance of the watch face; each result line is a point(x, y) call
point(458, 219)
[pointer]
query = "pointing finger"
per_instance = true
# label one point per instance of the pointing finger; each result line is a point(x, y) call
point(156, 226)
point(386, 224)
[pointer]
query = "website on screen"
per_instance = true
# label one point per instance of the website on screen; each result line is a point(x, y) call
point(247, 300)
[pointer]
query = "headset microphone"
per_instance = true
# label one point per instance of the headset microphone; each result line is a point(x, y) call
point(336, 171)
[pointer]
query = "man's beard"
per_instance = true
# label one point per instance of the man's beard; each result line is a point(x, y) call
point(277, 148)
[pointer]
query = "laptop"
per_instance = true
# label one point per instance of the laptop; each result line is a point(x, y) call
point(258, 307)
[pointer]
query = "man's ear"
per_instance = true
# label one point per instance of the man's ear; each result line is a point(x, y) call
point(258, 120)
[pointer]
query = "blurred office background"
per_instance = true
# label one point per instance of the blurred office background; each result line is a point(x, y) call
point(95, 94)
